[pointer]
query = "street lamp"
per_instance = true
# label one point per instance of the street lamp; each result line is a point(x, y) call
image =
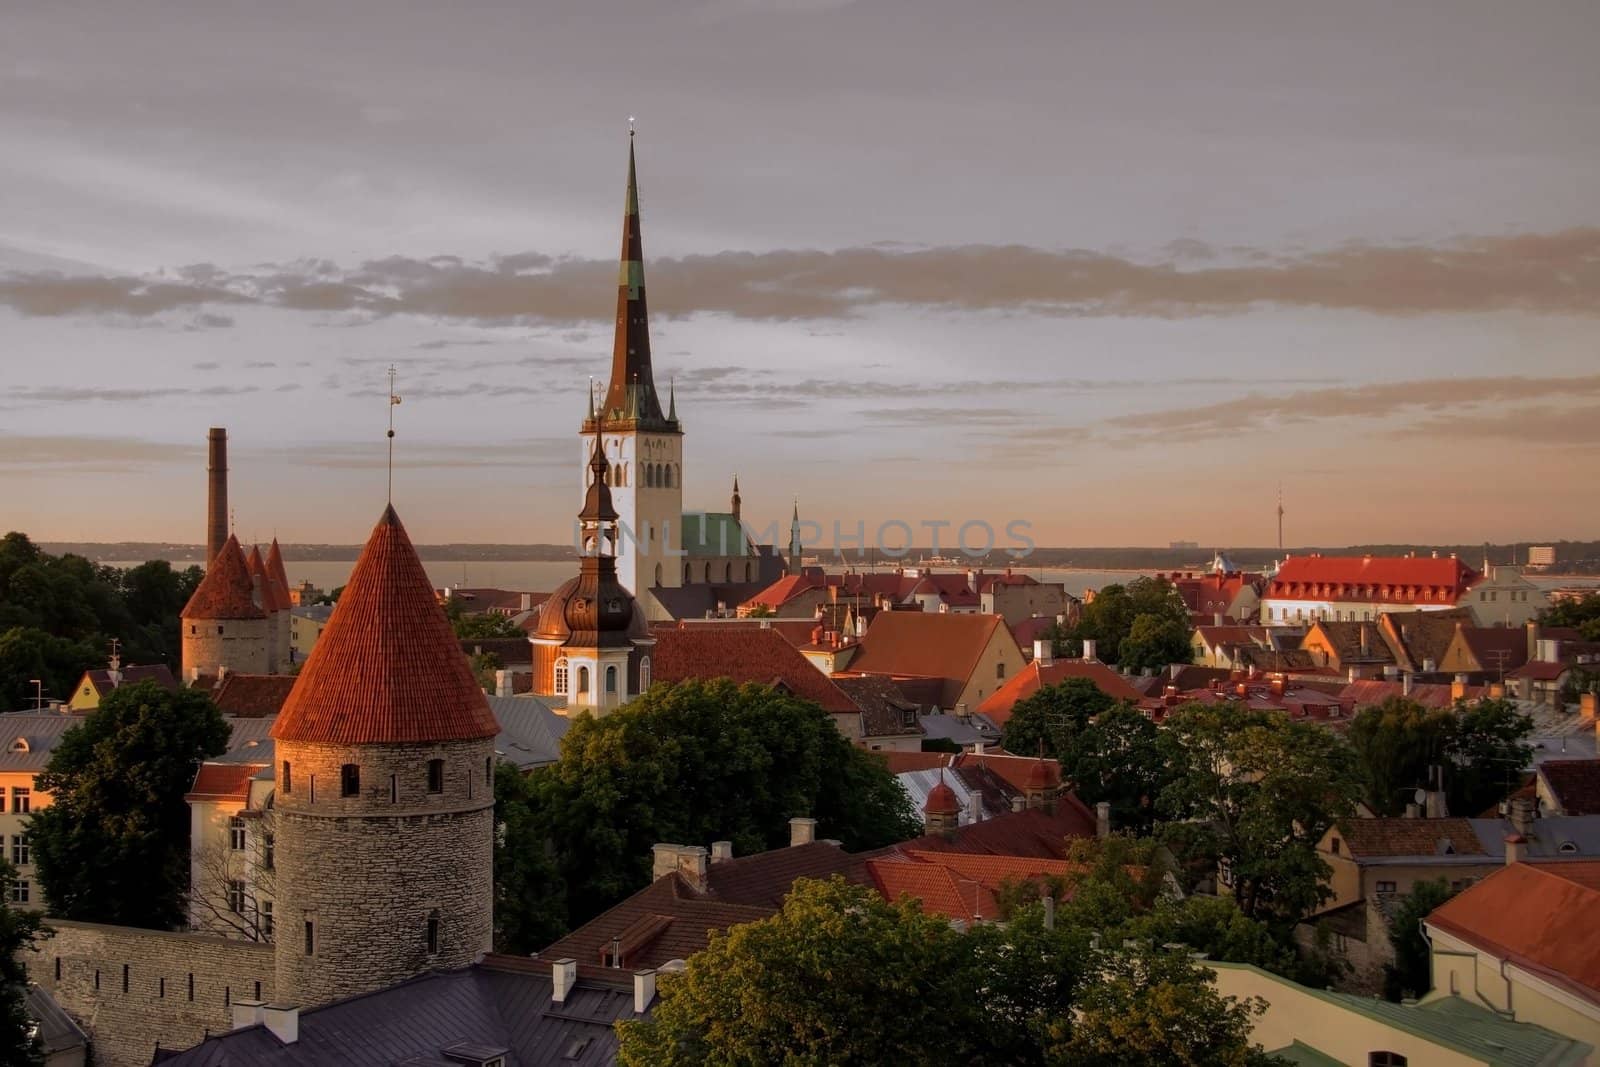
point(38, 693)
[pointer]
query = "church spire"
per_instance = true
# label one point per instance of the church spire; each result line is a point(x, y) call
point(631, 394)
point(736, 498)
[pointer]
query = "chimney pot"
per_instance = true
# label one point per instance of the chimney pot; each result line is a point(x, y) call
point(644, 990)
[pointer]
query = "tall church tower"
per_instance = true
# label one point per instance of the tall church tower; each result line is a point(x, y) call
point(642, 445)
point(384, 801)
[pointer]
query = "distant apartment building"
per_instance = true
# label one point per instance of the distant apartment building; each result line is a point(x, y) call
point(1541, 556)
point(1307, 589)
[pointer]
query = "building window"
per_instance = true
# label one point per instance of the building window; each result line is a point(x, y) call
point(436, 776)
point(236, 834)
point(1385, 1059)
point(269, 851)
point(288, 780)
point(560, 685)
point(236, 897)
point(611, 679)
point(488, 771)
point(311, 789)
point(20, 891)
point(266, 920)
point(394, 789)
point(21, 800)
point(433, 933)
point(1000, 670)
point(21, 854)
point(1386, 887)
point(583, 679)
point(124, 977)
point(191, 985)
point(644, 673)
point(350, 780)
point(311, 938)
point(1333, 846)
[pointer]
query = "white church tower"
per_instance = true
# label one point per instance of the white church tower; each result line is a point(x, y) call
point(643, 446)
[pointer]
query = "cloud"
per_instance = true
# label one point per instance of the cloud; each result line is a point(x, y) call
point(47, 395)
point(1540, 424)
point(433, 455)
point(1552, 272)
point(64, 453)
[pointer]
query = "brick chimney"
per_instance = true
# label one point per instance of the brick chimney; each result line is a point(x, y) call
point(1102, 819)
point(1516, 848)
point(1458, 688)
point(802, 831)
point(690, 861)
point(216, 492)
point(1522, 815)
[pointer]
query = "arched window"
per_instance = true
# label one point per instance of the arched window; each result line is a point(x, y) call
point(644, 674)
point(583, 679)
point(658, 574)
point(1385, 1059)
point(611, 679)
point(727, 572)
point(749, 572)
point(649, 475)
point(686, 578)
point(560, 686)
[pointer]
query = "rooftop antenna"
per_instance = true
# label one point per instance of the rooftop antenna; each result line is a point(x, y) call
point(394, 399)
point(1280, 520)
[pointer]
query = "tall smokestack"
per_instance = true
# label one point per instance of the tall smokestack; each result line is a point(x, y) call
point(216, 493)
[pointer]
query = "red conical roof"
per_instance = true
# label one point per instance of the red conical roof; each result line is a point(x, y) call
point(225, 592)
point(278, 576)
point(942, 800)
point(388, 668)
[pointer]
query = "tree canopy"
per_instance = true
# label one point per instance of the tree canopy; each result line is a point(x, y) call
point(1482, 749)
point(702, 761)
point(1256, 792)
point(18, 930)
point(1582, 614)
point(1146, 614)
point(840, 976)
point(1411, 973)
point(113, 845)
point(58, 615)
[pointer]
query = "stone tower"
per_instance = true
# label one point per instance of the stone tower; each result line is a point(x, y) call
point(384, 801)
point(592, 645)
point(223, 624)
point(643, 446)
point(216, 492)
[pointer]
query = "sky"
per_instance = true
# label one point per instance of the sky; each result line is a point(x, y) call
point(1117, 271)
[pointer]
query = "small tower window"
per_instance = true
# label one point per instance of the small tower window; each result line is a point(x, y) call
point(611, 679)
point(644, 674)
point(394, 789)
point(488, 771)
point(288, 779)
point(436, 776)
point(350, 780)
point(583, 679)
point(433, 933)
point(311, 938)
point(311, 790)
point(562, 669)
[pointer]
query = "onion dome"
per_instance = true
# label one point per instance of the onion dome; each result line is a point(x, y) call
point(226, 591)
point(388, 668)
point(593, 610)
point(942, 799)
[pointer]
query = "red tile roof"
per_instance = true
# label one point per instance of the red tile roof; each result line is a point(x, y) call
point(1361, 694)
point(1395, 579)
point(223, 781)
point(782, 591)
point(277, 577)
point(743, 654)
point(1541, 671)
point(388, 668)
point(1377, 838)
point(253, 696)
point(926, 644)
point(1495, 647)
point(226, 591)
point(1036, 832)
point(1575, 784)
point(1536, 916)
point(940, 890)
point(1035, 676)
point(795, 631)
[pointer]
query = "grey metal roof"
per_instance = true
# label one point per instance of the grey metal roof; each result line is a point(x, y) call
point(954, 728)
point(28, 737)
point(56, 1028)
point(500, 1003)
point(530, 733)
point(1550, 834)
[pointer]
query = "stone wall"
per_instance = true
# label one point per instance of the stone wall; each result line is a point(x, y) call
point(243, 646)
point(367, 871)
point(178, 986)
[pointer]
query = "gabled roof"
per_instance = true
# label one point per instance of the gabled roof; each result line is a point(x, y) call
point(1495, 647)
point(1535, 915)
point(926, 644)
point(1215, 636)
point(1345, 638)
point(1575, 784)
point(226, 591)
point(158, 673)
point(388, 668)
point(1367, 692)
point(223, 781)
point(1418, 636)
point(28, 737)
point(1036, 676)
point(782, 591)
point(884, 707)
point(742, 654)
point(1400, 579)
point(252, 695)
point(1036, 832)
point(1387, 838)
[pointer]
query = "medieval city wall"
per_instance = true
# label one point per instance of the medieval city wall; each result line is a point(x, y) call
point(134, 990)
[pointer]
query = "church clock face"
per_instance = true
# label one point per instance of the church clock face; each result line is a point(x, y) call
point(614, 606)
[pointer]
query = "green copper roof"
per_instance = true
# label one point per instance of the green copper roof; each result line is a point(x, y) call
point(1303, 1055)
point(713, 533)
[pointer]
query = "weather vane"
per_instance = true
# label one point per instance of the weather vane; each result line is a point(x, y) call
point(630, 125)
point(394, 398)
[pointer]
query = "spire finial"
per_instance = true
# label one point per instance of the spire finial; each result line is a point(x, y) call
point(394, 399)
point(672, 399)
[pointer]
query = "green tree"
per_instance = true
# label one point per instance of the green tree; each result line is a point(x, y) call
point(1110, 617)
point(484, 665)
point(19, 1047)
point(485, 625)
point(1118, 758)
point(113, 846)
point(529, 904)
point(1153, 642)
point(1582, 614)
point(1255, 792)
point(1054, 716)
point(1487, 749)
point(1411, 973)
point(1395, 743)
point(702, 761)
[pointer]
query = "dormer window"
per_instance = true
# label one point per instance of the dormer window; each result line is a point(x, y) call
point(19, 745)
point(1568, 848)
